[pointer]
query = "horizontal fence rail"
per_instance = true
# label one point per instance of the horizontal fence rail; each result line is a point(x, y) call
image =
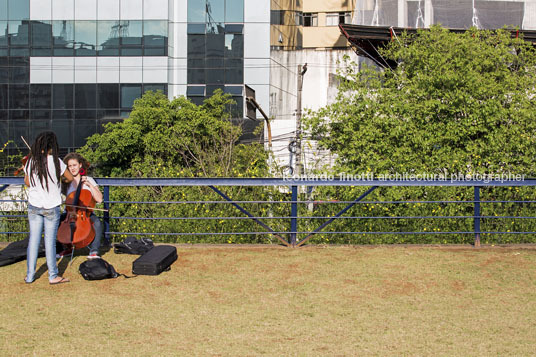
point(292, 220)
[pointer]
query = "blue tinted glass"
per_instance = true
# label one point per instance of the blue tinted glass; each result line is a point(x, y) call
point(4, 127)
point(85, 38)
point(236, 109)
point(215, 11)
point(4, 71)
point(215, 28)
point(18, 9)
point(62, 95)
point(215, 45)
point(195, 91)
point(211, 89)
point(234, 46)
point(39, 125)
point(40, 114)
point(3, 96)
point(214, 71)
point(20, 128)
point(155, 33)
point(129, 93)
point(234, 28)
point(62, 114)
point(108, 96)
point(40, 96)
point(18, 32)
point(63, 34)
point(233, 90)
point(41, 52)
point(18, 114)
point(234, 71)
point(19, 71)
point(41, 34)
point(108, 114)
point(196, 29)
point(155, 51)
point(214, 76)
point(108, 33)
point(19, 96)
point(234, 11)
point(82, 130)
point(155, 87)
point(85, 114)
point(196, 100)
point(132, 51)
point(19, 51)
point(3, 9)
point(196, 46)
point(196, 71)
point(196, 10)
point(64, 131)
point(85, 96)
point(130, 32)
point(3, 32)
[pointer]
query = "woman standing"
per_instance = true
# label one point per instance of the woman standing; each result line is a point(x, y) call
point(42, 176)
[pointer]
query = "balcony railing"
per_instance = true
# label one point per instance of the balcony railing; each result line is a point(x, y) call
point(293, 218)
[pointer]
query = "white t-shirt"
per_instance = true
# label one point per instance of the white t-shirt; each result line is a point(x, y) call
point(38, 196)
point(72, 187)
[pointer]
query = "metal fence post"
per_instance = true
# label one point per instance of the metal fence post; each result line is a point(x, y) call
point(477, 217)
point(106, 217)
point(293, 216)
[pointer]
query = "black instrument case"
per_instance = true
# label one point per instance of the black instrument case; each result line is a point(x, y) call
point(155, 261)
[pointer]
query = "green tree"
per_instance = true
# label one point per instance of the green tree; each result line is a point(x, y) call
point(163, 138)
point(456, 104)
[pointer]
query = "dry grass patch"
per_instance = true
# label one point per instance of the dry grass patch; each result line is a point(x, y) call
point(278, 301)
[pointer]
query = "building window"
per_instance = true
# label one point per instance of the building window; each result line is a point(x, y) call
point(63, 34)
point(336, 18)
point(129, 93)
point(345, 17)
point(310, 19)
point(332, 19)
point(85, 38)
point(298, 18)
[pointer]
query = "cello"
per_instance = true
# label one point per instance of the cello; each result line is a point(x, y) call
point(77, 229)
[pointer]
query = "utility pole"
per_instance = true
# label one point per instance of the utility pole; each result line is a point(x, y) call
point(268, 126)
point(299, 161)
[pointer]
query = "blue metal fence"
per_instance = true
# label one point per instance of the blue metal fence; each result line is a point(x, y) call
point(292, 235)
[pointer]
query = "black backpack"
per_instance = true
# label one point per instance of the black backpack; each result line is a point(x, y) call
point(132, 245)
point(97, 269)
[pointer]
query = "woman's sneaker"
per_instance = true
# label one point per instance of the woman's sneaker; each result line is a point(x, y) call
point(67, 251)
point(93, 256)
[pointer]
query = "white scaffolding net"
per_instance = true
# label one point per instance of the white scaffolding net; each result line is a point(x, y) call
point(460, 14)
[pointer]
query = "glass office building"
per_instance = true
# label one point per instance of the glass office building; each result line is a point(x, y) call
point(73, 65)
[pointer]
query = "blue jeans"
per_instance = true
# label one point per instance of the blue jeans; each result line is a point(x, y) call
point(39, 218)
point(97, 225)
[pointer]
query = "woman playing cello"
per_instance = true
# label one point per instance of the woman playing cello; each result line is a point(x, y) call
point(75, 163)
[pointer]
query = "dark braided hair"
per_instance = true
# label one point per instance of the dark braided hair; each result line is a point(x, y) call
point(45, 142)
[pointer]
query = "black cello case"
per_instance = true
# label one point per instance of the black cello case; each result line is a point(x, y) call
point(155, 261)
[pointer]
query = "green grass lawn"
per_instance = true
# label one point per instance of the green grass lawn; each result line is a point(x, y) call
point(252, 300)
